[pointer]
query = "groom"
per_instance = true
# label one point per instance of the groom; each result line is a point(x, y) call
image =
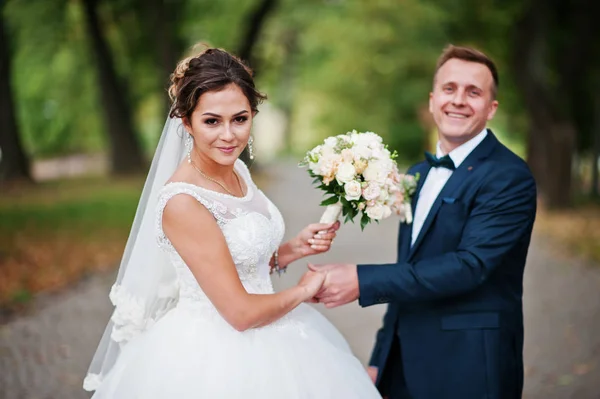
point(454, 324)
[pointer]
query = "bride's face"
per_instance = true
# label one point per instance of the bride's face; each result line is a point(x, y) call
point(221, 125)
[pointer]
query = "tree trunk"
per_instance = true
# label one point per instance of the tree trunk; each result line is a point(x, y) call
point(254, 24)
point(596, 149)
point(125, 151)
point(287, 85)
point(552, 135)
point(165, 17)
point(13, 161)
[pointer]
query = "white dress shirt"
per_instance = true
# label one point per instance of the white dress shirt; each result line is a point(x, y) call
point(437, 178)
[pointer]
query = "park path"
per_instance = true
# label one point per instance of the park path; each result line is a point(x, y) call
point(44, 354)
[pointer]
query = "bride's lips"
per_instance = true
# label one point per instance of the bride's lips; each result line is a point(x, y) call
point(227, 150)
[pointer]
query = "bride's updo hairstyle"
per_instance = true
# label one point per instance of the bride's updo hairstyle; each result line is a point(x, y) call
point(211, 70)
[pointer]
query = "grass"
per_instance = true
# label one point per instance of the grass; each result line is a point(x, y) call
point(52, 234)
point(578, 229)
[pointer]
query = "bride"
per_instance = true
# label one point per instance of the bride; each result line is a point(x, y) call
point(195, 313)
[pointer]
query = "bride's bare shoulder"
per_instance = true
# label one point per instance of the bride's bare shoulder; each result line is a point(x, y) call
point(181, 174)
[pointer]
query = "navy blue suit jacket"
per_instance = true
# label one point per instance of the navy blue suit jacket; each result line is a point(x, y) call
point(455, 297)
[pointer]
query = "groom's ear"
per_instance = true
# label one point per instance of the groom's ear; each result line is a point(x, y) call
point(430, 104)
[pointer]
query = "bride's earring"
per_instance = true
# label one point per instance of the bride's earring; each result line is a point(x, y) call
point(251, 148)
point(189, 143)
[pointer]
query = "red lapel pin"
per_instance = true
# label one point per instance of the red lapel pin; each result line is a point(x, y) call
point(470, 168)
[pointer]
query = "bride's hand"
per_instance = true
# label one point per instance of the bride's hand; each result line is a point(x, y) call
point(315, 238)
point(312, 282)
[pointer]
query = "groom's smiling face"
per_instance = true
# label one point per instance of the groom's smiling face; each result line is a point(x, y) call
point(462, 101)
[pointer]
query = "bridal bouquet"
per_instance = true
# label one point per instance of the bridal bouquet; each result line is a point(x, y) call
point(359, 174)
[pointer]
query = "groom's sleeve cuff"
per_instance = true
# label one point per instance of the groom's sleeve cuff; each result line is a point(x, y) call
point(374, 360)
point(368, 287)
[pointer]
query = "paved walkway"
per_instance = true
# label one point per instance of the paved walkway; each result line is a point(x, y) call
point(44, 355)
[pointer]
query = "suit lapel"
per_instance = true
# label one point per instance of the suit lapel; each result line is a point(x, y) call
point(406, 229)
point(458, 178)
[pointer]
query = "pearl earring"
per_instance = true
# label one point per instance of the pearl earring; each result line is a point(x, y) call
point(189, 143)
point(251, 148)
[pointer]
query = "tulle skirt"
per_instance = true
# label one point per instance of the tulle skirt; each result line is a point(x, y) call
point(188, 354)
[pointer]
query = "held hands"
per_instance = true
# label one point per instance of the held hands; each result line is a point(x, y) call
point(340, 286)
point(315, 238)
point(311, 282)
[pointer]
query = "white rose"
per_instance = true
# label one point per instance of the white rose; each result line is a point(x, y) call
point(380, 153)
point(345, 138)
point(372, 191)
point(327, 150)
point(391, 186)
point(370, 173)
point(353, 190)
point(360, 151)
point(384, 195)
point(377, 171)
point(360, 166)
point(330, 142)
point(315, 153)
point(347, 155)
point(345, 172)
point(327, 167)
point(328, 164)
point(375, 212)
point(314, 167)
point(387, 211)
point(368, 139)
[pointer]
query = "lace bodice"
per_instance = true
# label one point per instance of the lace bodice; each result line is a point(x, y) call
point(252, 226)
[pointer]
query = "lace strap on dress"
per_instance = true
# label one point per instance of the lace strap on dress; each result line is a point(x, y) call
point(170, 190)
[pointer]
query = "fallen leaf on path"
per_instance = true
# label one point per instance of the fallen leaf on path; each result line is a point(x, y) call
point(582, 368)
point(565, 379)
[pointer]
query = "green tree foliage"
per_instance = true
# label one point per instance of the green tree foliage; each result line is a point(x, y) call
point(359, 65)
point(53, 78)
point(329, 65)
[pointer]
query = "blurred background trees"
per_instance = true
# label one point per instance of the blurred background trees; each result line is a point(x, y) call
point(90, 76)
point(83, 93)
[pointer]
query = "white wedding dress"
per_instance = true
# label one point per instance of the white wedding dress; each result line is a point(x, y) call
point(192, 352)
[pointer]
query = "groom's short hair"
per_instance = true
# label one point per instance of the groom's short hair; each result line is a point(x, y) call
point(471, 55)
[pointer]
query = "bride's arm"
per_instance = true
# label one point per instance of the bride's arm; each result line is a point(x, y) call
point(194, 233)
point(314, 239)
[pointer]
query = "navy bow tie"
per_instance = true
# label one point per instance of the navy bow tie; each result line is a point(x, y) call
point(443, 162)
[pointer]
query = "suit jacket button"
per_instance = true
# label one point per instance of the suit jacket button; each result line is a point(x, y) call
point(382, 300)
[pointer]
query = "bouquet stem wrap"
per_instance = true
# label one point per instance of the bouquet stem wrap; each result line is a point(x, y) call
point(332, 213)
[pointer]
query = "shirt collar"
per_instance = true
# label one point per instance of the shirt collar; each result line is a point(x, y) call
point(461, 152)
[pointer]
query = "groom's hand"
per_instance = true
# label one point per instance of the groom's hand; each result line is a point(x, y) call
point(373, 371)
point(341, 284)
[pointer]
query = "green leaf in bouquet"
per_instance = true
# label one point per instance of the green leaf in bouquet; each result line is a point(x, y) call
point(330, 201)
point(317, 180)
point(349, 217)
point(345, 202)
point(364, 220)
